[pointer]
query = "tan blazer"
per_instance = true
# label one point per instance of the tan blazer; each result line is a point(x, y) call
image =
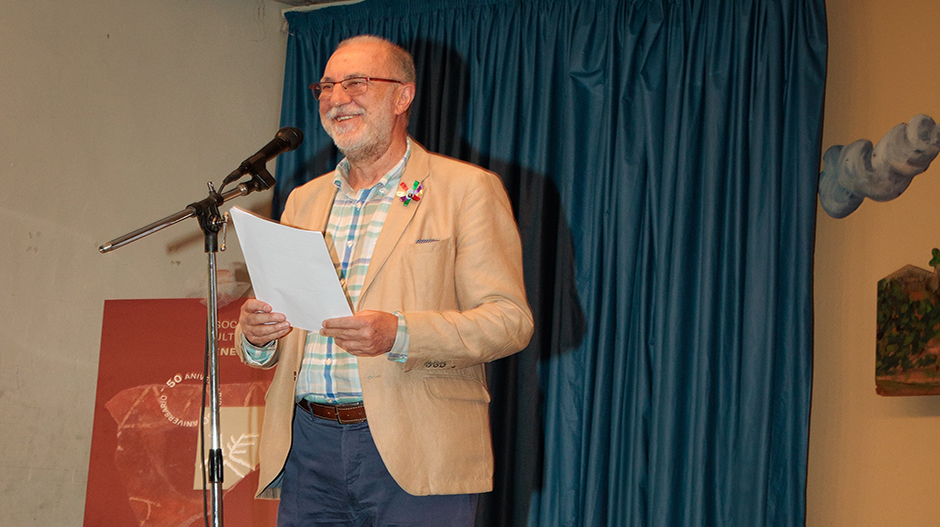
point(452, 264)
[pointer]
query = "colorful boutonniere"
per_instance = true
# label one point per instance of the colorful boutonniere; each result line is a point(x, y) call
point(407, 195)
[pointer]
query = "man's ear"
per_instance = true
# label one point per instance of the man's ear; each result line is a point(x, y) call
point(406, 95)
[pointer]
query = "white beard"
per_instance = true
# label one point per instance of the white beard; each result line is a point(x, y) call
point(370, 141)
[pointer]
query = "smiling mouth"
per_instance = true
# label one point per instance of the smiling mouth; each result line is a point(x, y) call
point(338, 116)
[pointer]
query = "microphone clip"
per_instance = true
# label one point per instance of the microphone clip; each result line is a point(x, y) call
point(261, 179)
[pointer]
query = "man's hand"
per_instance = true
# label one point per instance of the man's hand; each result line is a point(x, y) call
point(367, 333)
point(259, 324)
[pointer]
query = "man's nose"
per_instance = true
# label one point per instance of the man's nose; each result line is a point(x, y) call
point(338, 96)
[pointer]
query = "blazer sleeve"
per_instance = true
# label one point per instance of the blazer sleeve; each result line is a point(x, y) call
point(491, 318)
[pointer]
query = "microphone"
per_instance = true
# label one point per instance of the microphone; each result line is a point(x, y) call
point(285, 140)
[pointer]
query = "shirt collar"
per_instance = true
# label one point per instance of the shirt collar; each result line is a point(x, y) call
point(391, 178)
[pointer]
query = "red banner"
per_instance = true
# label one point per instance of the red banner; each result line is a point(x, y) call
point(144, 468)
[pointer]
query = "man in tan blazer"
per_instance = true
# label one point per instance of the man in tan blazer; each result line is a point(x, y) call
point(435, 281)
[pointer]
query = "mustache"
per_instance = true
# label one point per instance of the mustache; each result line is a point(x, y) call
point(333, 113)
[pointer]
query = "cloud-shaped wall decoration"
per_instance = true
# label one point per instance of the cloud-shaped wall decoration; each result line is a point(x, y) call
point(857, 171)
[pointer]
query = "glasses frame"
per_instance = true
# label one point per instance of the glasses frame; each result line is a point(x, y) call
point(319, 88)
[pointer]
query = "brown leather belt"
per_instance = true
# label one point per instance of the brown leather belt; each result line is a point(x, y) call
point(344, 414)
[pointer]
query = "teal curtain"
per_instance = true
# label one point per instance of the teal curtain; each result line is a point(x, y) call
point(661, 156)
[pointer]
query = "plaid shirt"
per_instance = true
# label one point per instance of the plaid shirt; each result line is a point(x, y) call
point(328, 373)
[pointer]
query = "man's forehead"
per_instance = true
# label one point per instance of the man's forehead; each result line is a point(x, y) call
point(358, 59)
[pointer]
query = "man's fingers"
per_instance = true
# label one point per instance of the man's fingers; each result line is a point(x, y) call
point(367, 333)
point(259, 319)
point(253, 305)
point(261, 335)
point(352, 322)
point(342, 335)
point(259, 324)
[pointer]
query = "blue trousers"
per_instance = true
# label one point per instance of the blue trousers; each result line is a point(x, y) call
point(334, 477)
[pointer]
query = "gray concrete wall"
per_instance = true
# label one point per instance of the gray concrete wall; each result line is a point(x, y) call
point(112, 114)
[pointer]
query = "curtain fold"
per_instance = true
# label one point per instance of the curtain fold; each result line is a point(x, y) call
point(661, 156)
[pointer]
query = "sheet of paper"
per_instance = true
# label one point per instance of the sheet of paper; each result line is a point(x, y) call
point(291, 270)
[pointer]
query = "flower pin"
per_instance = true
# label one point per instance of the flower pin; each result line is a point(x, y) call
point(407, 195)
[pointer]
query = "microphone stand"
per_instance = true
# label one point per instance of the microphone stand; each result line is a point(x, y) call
point(211, 222)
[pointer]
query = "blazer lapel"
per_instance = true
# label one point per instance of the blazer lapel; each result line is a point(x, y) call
point(323, 205)
point(399, 216)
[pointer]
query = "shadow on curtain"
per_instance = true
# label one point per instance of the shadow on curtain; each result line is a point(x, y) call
point(661, 156)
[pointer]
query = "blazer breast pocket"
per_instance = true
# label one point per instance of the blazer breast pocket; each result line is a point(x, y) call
point(427, 272)
point(431, 252)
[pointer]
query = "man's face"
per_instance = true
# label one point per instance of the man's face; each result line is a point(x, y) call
point(360, 127)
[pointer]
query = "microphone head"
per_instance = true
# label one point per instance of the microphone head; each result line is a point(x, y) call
point(292, 136)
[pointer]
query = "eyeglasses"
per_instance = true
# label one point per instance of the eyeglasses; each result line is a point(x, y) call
point(353, 86)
